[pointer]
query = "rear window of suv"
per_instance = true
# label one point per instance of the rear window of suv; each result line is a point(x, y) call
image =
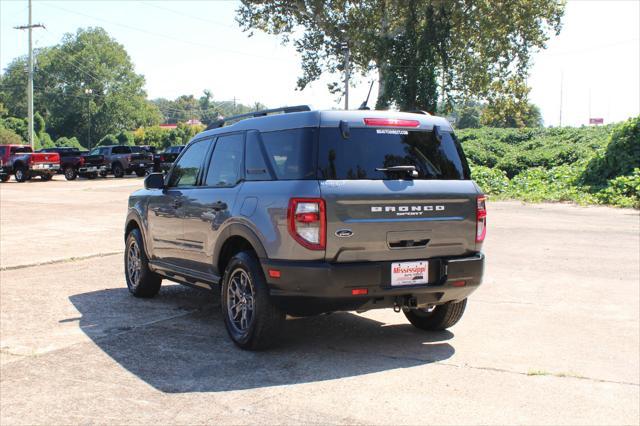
point(358, 156)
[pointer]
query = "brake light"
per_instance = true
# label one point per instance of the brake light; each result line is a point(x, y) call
point(481, 218)
point(81, 162)
point(390, 122)
point(162, 160)
point(308, 222)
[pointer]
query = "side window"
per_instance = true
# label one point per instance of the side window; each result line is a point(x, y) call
point(256, 166)
point(121, 150)
point(291, 153)
point(95, 151)
point(185, 171)
point(225, 168)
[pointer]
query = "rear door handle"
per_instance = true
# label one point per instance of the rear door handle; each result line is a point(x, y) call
point(219, 205)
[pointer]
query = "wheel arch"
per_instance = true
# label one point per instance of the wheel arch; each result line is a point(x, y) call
point(135, 222)
point(235, 238)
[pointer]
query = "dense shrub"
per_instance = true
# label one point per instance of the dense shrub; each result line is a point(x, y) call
point(491, 180)
point(622, 191)
point(584, 165)
point(69, 142)
point(9, 137)
point(621, 156)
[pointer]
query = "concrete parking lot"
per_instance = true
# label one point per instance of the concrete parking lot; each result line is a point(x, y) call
point(552, 337)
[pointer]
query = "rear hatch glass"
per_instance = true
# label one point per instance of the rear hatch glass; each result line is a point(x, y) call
point(367, 150)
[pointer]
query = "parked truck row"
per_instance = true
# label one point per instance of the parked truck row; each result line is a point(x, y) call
point(117, 160)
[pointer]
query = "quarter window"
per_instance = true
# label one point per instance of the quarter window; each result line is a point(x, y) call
point(256, 167)
point(186, 170)
point(225, 168)
point(291, 153)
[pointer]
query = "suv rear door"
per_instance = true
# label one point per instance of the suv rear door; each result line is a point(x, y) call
point(382, 215)
point(209, 205)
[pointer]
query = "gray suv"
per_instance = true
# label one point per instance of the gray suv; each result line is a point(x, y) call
point(301, 212)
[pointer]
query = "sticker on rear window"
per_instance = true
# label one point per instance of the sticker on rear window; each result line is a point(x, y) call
point(392, 132)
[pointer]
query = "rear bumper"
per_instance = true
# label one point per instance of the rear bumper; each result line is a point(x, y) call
point(90, 168)
point(141, 166)
point(314, 287)
point(44, 168)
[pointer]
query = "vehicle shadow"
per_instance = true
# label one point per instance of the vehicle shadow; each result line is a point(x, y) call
point(177, 342)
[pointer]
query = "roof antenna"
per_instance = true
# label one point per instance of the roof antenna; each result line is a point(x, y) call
point(366, 101)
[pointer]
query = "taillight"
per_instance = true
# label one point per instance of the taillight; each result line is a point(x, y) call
point(308, 222)
point(390, 122)
point(162, 160)
point(481, 218)
point(81, 162)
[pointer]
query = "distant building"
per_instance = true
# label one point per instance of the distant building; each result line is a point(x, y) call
point(192, 122)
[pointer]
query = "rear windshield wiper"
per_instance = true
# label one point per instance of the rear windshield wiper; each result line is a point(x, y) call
point(409, 170)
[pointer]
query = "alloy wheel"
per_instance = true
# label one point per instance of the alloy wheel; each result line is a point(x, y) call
point(240, 301)
point(134, 263)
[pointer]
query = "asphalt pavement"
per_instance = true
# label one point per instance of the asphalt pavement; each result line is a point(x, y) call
point(552, 336)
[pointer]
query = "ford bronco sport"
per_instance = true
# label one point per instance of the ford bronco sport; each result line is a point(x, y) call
point(306, 212)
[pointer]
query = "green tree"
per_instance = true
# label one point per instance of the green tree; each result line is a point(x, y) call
point(508, 106)
point(85, 85)
point(423, 50)
point(468, 116)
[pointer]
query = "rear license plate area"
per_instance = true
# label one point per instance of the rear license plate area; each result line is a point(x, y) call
point(409, 273)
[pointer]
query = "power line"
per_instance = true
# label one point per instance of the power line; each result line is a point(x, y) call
point(154, 34)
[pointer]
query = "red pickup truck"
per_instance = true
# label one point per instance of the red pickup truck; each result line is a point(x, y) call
point(21, 161)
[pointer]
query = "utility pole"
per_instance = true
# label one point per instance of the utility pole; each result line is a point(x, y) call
point(89, 92)
point(347, 52)
point(30, 27)
point(561, 83)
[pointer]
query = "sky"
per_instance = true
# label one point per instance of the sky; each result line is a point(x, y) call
point(184, 47)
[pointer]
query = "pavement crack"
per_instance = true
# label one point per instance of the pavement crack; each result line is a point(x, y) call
point(56, 261)
point(492, 369)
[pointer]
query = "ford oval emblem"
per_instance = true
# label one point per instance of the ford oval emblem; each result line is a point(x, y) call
point(344, 233)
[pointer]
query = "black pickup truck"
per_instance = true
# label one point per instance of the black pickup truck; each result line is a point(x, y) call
point(162, 162)
point(74, 163)
point(123, 159)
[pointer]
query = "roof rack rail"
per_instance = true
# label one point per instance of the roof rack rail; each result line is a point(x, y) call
point(283, 110)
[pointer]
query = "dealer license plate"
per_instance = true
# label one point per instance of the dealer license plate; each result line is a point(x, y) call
point(409, 273)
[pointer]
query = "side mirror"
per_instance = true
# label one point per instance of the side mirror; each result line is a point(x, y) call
point(154, 181)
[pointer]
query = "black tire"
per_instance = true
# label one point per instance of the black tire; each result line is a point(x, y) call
point(46, 177)
point(70, 173)
point(440, 318)
point(21, 174)
point(118, 170)
point(262, 320)
point(140, 172)
point(141, 281)
point(5, 178)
